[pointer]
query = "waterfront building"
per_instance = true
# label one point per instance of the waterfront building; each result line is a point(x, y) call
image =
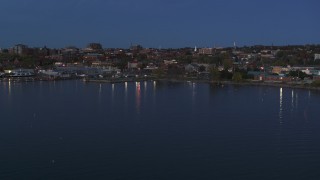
point(280, 70)
point(263, 76)
point(133, 65)
point(315, 72)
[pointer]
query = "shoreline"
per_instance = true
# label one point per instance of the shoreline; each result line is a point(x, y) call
point(177, 80)
point(246, 83)
point(174, 80)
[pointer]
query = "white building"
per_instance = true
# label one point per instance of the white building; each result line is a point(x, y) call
point(206, 51)
point(316, 56)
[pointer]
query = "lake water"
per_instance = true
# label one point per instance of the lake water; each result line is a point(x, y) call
point(152, 130)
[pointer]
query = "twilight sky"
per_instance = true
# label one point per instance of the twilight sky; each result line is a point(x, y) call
point(159, 23)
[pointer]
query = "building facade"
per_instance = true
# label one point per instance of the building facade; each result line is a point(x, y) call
point(206, 51)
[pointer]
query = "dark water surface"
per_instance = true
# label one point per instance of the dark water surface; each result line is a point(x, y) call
point(152, 130)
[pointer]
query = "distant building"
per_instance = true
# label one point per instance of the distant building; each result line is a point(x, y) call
point(56, 57)
point(93, 48)
point(69, 53)
point(20, 49)
point(43, 51)
point(206, 51)
point(305, 69)
point(133, 65)
point(280, 70)
point(145, 51)
point(70, 50)
point(93, 57)
point(167, 62)
point(136, 47)
point(315, 72)
point(316, 56)
point(191, 68)
point(262, 76)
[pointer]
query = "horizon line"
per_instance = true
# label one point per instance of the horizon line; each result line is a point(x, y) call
point(161, 47)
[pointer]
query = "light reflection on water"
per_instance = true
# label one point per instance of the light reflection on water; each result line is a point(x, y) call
point(145, 90)
point(291, 105)
point(145, 86)
point(154, 85)
point(281, 106)
point(100, 92)
point(138, 97)
point(112, 92)
point(309, 94)
point(154, 93)
point(194, 91)
point(126, 88)
point(297, 102)
point(292, 100)
point(9, 87)
point(125, 93)
point(188, 128)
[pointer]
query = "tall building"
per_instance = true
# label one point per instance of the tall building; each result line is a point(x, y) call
point(20, 49)
point(316, 56)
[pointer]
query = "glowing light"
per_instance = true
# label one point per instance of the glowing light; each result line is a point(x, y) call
point(112, 92)
point(292, 100)
point(138, 86)
point(154, 85)
point(281, 106)
point(9, 87)
point(193, 91)
point(138, 97)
